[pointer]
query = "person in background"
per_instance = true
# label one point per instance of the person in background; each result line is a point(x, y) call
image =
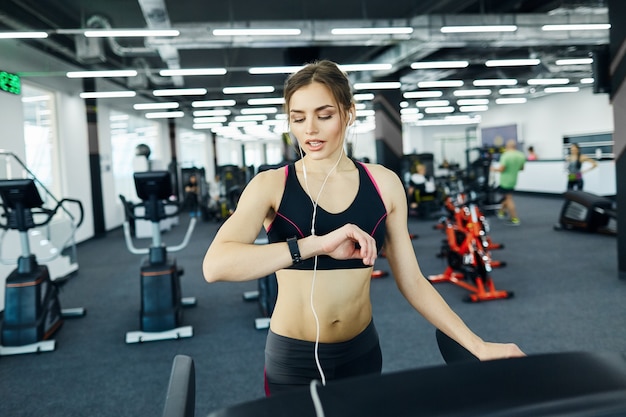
point(327, 216)
point(192, 193)
point(532, 156)
point(510, 164)
point(575, 161)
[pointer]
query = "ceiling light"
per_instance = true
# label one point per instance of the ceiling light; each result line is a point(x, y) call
point(574, 26)
point(505, 91)
point(511, 100)
point(155, 106)
point(215, 119)
point(475, 29)
point(101, 74)
point(180, 92)
point(275, 70)
point(266, 101)
point(108, 94)
point(431, 110)
point(23, 35)
point(439, 64)
point(377, 86)
point(365, 67)
point(199, 126)
point(548, 81)
point(466, 109)
point(574, 61)
point(469, 93)
point(568, 89)
point(256, 32)
point(214, 112)
point(494, 82)
point(129, 33)
point(372, 31)
point(442, 83)
point(192, 71)
point(260, 110)
point(214, 103)
point(247, 90)
point(472, 101)
point(450, 120)
point(365, 113)
point(422, 94)
point(363, 96)
point(411, 110)
point(251, 117)
point(432, 103)
point(165, 115)
point(511, 62)
point(587, 80)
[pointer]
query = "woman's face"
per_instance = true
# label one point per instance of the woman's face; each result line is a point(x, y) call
point(314, 118)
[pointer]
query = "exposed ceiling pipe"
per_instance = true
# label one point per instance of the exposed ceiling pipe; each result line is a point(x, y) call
point(100, 22)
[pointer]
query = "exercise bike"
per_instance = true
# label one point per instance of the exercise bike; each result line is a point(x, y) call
point(161, 302)
point(32, 311)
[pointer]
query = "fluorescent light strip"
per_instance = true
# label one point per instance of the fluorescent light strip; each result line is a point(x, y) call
point(365, 67)
point(568, 89)
point(442, 83)
point(377, 86)
point(130, 33)
point(260, 110)
point(511, 62)
point(437, 110)
point(422, 94)
point(216, 119)
point(251, 117)
point(548, 81)
point(363, 97)
point(256, 32)
point(155, 106)
point(215, 112)
point(472, 101)
point(199, 126)
point(246, 90)
point(108, 94)
point(23, 35)
point(180, 92)
point(587, 80)
point(101, 74)
point(575, 26)
point(494, 82)
point(505, 91)
point(165, 115)
point(449, 121)
point(192, 71)
point(275, 70)
point(365, 113)
point(469, 93)
point(466, 109)
point(511, 100)
point(266, 101)
point(432, 103)
point(574, 61)
point(372, 31)
point(411, 110)
point(477, 29)
point(439, 64)
point(213, 103)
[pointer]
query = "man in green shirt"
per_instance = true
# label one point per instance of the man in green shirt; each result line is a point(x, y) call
point(511, 163)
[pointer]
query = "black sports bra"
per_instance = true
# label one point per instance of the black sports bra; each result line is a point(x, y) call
point(293, 218)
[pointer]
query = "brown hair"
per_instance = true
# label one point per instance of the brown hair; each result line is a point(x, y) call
point(324, 72)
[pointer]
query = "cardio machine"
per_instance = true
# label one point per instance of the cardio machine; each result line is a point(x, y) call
point(32, 312)
point(161, 301)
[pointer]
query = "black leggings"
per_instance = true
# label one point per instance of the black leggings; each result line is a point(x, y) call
point(290, 363)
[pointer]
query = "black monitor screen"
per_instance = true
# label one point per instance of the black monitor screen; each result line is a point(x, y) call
point(155, 183)
point(20, 191)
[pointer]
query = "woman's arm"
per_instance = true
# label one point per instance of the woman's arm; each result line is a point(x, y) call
point(419, 292)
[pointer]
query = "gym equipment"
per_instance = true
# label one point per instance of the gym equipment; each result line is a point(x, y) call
point(556, 384)
point(32, 312)
point(469, 259)
point(587, 212)
point(161, 301)
point(181, 389)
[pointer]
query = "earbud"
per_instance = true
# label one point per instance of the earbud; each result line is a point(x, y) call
point(349, 118)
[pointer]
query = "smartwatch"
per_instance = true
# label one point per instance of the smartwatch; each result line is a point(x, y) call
point(292, 242)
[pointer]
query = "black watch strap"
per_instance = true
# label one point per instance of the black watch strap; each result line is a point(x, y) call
point(295, 251)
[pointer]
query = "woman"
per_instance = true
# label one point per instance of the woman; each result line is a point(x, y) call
point(327, 217)
point(575, 172)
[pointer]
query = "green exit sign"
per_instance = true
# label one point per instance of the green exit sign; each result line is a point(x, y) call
point(10, 82)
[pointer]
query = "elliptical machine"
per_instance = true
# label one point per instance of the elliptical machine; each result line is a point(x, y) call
point(32, 311)
point(161, 301)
